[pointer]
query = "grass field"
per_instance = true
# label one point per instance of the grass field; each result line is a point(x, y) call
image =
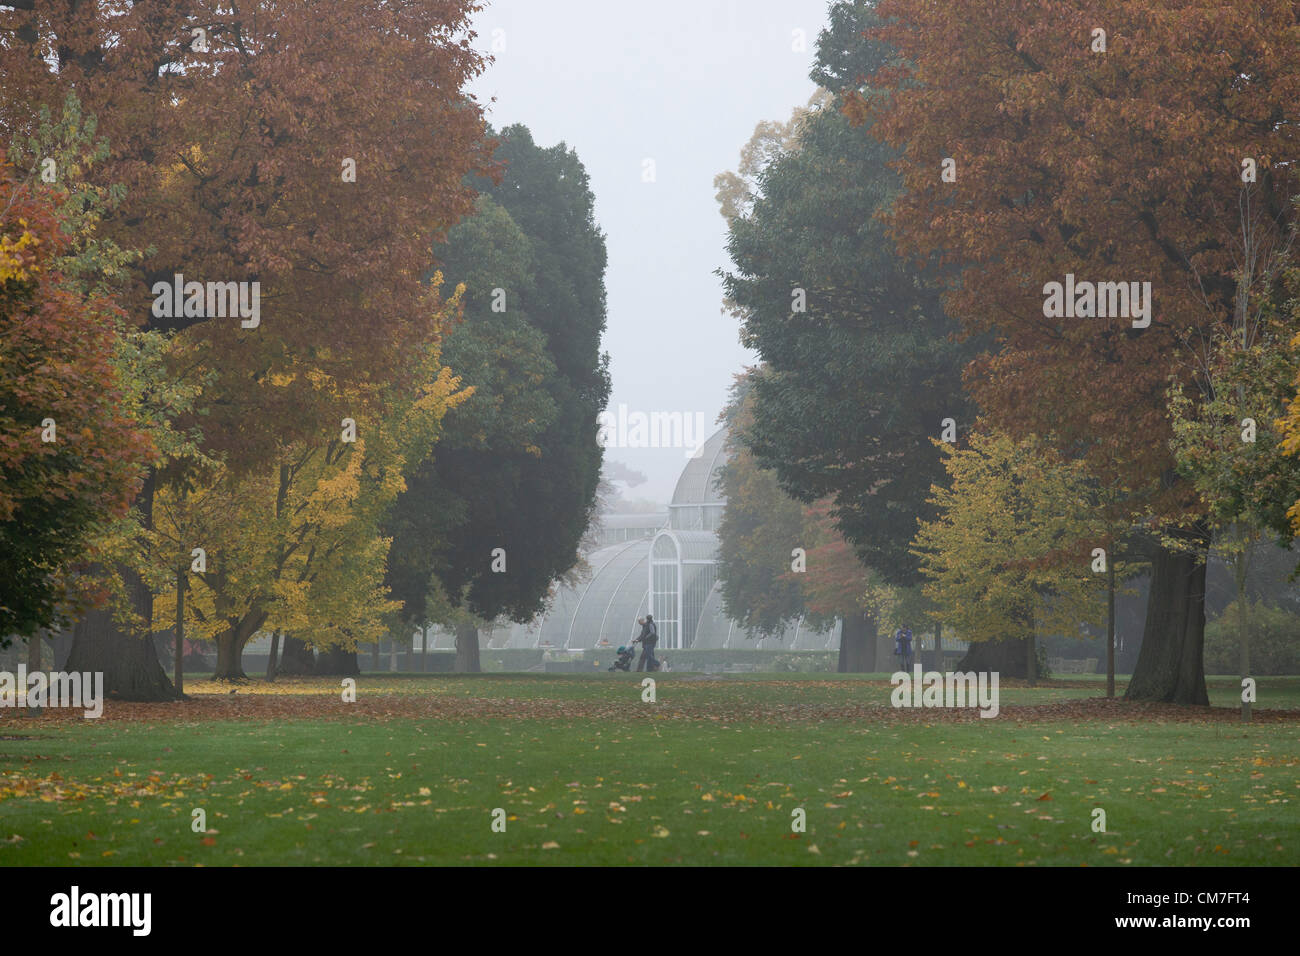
point(711, 772)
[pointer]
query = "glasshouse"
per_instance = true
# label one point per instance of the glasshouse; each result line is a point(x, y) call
point(664, 564)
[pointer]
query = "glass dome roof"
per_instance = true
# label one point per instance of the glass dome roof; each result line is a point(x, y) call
point(698, 482)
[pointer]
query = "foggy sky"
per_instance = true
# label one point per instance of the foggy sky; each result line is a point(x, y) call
point(682, 83)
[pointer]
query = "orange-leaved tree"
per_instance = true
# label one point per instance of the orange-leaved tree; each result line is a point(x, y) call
point(71, 456)
point(315, 150)
point(1088, 142)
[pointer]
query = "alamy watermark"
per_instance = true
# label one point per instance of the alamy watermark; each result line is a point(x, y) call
point(932, 689)
point(1102, 300)
point(56, 689)
point(624, 429)
point(75, 909)
point(211, 300)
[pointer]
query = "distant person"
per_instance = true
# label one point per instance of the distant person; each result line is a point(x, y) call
point(903, 646)
point(648, 638)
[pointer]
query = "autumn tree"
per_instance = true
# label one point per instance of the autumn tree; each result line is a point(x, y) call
point(313, 149)
point(1106, 141)
point(760, 529)
point(71, 453)
point(737, 189)
point(296, 546)
point(781, 561)
point(836, 584)
point(1231, 442)
point(1009, 558)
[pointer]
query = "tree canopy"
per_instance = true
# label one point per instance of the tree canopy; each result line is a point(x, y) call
point(860, 370)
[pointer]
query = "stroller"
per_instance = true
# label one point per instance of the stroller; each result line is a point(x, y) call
point(624, 660)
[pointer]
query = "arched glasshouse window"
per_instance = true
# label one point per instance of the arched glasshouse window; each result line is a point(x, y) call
point(683, 570)
point(665, 590)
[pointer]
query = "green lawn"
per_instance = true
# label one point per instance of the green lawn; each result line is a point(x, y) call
point(587, 772)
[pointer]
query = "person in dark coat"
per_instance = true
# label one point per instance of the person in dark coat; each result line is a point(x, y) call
point(648, 638)
point(903, 646)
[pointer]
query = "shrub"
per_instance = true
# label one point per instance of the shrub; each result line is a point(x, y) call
point(1274, 640)
point(510, 658)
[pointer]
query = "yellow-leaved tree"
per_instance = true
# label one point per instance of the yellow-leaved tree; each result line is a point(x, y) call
point(295, 546)
point(1010, 556)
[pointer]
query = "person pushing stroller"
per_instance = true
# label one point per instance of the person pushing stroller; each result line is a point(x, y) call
point(648, 638)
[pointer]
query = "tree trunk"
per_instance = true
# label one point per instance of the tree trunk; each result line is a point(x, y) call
point(178, 659)
point(129, 663)
point(1243, 632)
point(392, 655)
point(1170, 665)
point(857, 643)
point(230, 654)
point(1009, 658)
point(296, 658)
point(61, 644)
point(467, 661)
point(338, 662)
point(34, 651)
point(938, 646)
point(34, 663)
point(1110, 630)
point(272, 659)
point(424, 648)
